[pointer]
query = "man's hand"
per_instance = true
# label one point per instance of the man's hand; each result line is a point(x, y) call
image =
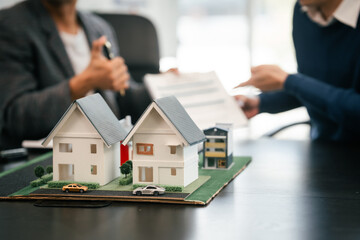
point(250, 105)
point(101, 73)
point(105, 73)
point(266, 78)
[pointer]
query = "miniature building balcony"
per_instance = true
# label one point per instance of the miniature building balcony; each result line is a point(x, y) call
point(215, 154)
point(215, 145)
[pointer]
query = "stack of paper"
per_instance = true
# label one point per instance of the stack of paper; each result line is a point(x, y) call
point(202, 95)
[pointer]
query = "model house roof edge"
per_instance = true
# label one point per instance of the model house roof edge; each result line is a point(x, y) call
point(53, 131)
point(166, 118)
point(143, 117)
point(159, 108)
point(92, 124)
point(84, 105)
point(191, 121)
point(177, 129)
point(226, 130)
point(130, 133)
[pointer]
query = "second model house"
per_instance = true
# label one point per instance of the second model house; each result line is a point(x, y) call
point(164, 144)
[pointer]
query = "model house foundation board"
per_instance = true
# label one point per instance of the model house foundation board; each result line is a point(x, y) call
point(201, 94)
point(87, 151)
point(200, 192)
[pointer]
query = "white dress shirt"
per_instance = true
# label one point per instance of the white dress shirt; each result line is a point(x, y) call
point(347, 13)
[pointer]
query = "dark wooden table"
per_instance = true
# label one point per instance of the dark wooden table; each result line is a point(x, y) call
point(291, 190)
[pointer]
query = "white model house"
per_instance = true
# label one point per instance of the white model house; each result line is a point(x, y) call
point(164, 144)
point(86, 142)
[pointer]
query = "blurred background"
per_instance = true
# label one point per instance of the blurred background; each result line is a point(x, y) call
point(225, 36)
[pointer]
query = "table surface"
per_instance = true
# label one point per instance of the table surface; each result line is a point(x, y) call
point(291, 190)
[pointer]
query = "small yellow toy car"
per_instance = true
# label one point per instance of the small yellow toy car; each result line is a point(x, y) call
point(74, 187)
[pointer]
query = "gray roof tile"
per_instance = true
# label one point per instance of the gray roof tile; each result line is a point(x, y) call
point(176, 113)
point(102, 118)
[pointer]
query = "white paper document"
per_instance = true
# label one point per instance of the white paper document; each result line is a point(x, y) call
point(202, 95)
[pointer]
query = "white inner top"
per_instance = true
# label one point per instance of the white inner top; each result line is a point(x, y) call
point(347, 13)
point(77, 48)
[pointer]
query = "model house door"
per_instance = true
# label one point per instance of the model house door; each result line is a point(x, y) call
point(66, 172)
point(210, 163)
point(221, 163)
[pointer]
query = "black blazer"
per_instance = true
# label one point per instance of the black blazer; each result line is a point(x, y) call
point(35, 70)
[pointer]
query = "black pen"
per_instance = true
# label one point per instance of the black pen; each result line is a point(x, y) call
point(110, 55)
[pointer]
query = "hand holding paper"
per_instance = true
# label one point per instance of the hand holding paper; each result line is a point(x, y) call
point(266, 78)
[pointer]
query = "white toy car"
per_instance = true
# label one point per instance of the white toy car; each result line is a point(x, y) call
point(149, 190)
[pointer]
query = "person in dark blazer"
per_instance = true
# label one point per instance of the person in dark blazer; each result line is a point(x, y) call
point(50, 55)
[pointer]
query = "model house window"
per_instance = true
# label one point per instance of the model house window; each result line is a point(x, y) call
point(93, 148)
point(93, 169)
point(144, 148)
point(219, 150)
point(172, 149)
point(173, 171)
point(145, 174)
point(65, 147)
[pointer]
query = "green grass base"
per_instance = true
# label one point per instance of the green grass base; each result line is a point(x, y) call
point(218, 179)
point(115, 186)
point(35, 160)
point(25, 191)
point(196, 184)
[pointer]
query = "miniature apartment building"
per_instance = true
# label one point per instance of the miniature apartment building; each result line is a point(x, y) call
point(165, 142)
point(86, 142)
point(218, 153)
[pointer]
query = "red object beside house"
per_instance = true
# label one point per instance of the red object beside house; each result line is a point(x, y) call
point(124, 153)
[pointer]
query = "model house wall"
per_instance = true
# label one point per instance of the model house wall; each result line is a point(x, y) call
point(230, 136)
point(111, 162)
point(161, 154)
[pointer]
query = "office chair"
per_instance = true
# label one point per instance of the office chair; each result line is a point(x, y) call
point(138, 43)
point(139, 46)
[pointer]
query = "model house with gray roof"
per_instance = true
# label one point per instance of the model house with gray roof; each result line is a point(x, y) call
point(164, 142)
point(86, 142)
